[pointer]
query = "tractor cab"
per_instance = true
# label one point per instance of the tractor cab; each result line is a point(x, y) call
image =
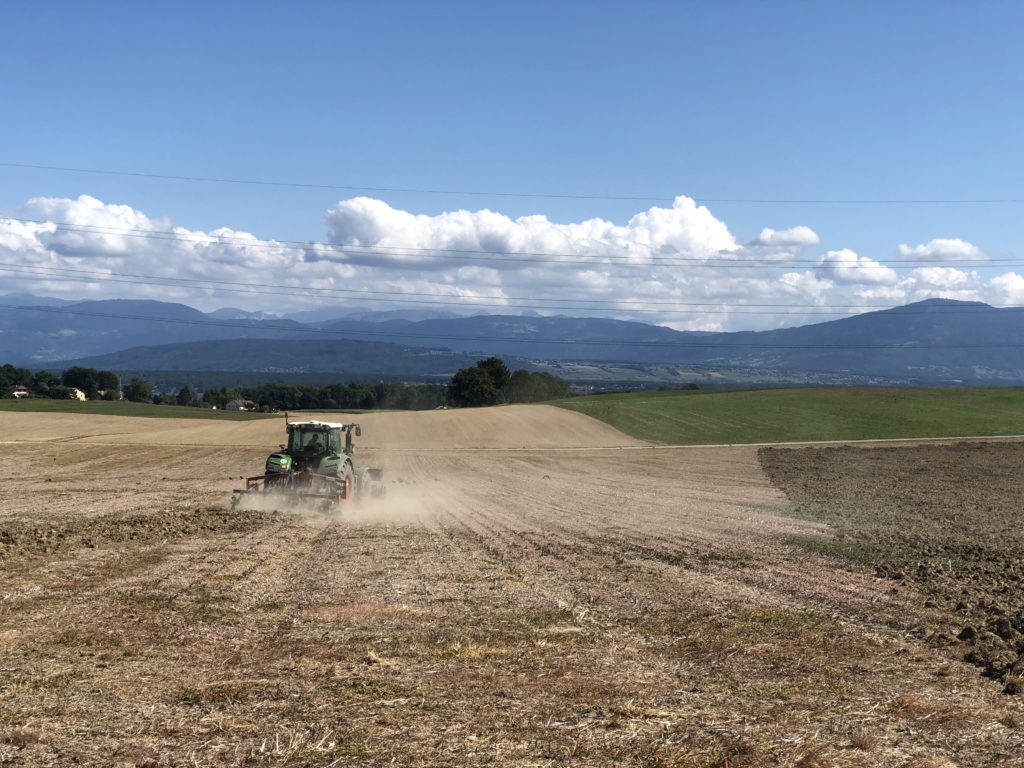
point(314, 438)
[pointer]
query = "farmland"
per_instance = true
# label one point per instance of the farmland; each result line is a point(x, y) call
point(121, 408)
point(783, 415)
point(537, 589)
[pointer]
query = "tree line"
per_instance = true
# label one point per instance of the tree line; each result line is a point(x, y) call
point(93, 383)
point(265, 397)
point(489, 382)
point(281, 397)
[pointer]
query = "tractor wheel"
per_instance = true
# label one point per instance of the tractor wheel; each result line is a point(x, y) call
point(346, 485)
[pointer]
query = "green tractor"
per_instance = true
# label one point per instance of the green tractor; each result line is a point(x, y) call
point(315, 466)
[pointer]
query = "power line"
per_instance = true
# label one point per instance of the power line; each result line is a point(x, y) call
point(367, 295)
point(541, 195)
point(490, 339)
point(63, 274)
point(532, 257)
point(337, 187)
point(441, 300)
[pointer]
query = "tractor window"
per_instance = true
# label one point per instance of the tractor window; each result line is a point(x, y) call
point(307, 441)
point(334, 441)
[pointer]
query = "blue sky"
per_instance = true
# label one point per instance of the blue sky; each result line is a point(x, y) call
point(713, 101)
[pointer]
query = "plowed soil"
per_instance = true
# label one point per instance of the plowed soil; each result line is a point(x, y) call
point(536, 590)
point(947, 519)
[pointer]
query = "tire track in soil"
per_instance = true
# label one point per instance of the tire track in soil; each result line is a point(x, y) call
point(104, 579)
point(527, 525)
point(556, 566)
point(565, 556)
point(722, 558)
point(547, 573)
point(235, 558)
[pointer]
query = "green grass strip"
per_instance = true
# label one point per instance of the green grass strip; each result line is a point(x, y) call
point(793, 415)
point(124, 408)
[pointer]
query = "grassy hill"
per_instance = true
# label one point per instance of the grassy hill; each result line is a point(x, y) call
point(784, 415)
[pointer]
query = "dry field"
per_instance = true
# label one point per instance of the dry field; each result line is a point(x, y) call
point(536, 590)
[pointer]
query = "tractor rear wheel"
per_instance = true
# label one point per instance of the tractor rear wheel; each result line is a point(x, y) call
point(345, 484)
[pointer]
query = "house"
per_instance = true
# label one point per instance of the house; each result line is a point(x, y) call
point(20, 392)
point(240, 405)
point(77, 394)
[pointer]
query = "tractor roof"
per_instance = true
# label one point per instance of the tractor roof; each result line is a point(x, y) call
point(316, 425)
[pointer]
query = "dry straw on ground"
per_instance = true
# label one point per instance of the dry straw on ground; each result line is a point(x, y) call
point(527, 608)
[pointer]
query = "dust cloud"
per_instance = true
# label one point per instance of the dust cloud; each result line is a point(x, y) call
point(401, 505)
point(281, 503)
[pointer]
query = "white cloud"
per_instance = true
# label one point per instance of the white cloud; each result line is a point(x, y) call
point(943, 277)
point(677, 265)
point(806, 285)
point(1008, 288)
point(116, 240)
point(397, 237)
point(863, 298)
point(845, 266)
point(792, 237)
point(942, 249)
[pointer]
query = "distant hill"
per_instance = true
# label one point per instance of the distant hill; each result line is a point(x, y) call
point(333, 314)
point(558, 337)
point(33, 334)
point(38, 301)
point(233, 313)
point(356, 358)
point(938, 341)
point(412, 315)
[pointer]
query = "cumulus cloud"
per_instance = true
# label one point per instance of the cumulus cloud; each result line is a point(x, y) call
point(678, 265)
point(398, 237)
point(86, 239)
point(845, 266)
point(943, 277)
point(1009, 288)
point(787, 238)
point(942, 249)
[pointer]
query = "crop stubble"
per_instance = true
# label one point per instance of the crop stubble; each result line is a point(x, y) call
point(634, 607)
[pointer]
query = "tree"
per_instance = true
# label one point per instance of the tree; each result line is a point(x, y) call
point(215, 397)
point(526, 387)
point(107, 381)
point(43, 381)
point(13, 377)
point(60, 392)
point(80, 378)
point(185, 396)
point(138, 391)
point(472, 387)
point(496, 369)
point(520, 389)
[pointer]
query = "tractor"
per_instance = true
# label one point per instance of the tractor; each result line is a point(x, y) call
point(315, 466)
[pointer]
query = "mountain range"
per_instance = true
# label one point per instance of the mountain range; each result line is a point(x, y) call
point(937, 341)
